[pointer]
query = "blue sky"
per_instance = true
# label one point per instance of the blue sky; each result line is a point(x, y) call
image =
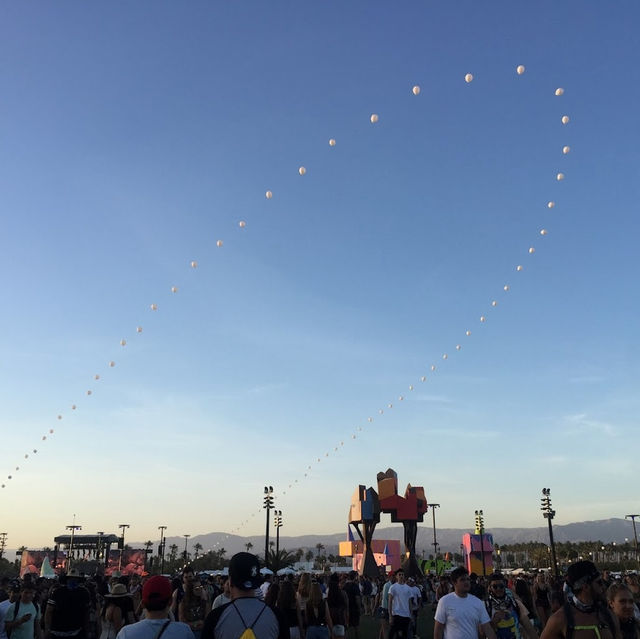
point(134, 137)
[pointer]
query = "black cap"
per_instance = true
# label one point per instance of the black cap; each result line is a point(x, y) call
point(244, 571)
point(581, 573)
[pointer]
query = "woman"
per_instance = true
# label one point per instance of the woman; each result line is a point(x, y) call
point(620, 599)
point(523, 592)
point(542, 598)
point(289, 610)
point(111, 615)
point(302, 595)
point(319, 624)
point(338, 604)
point(193, 607)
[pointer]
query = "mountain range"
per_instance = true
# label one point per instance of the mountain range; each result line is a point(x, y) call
point(449, 539)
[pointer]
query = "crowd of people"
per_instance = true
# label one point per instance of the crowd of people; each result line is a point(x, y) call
point(584, 605)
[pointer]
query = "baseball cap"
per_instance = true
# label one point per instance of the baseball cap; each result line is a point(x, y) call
point(244, 571)
point(156, 589)
point(581, 573)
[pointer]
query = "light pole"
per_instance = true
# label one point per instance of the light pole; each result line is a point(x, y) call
point(635, 533)
point(122, 527)
point(186, 541)
point(548, 513)
point(268, 505)
point(161, 548)
point(3, 543)
point(100, 533)
point(72, 527)
point(480, 531)
point(277, 522)
point(435, 541)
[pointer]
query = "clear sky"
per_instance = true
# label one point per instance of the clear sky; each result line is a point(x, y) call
point(134, 136)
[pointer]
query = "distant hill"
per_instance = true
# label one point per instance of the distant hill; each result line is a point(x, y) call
point(449, 539)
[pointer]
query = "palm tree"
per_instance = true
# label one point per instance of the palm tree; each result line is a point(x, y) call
point(197, 547)
point(281, 559)
point(319, 548)
point(309, 555)
point(173, 552)
point(248, 546)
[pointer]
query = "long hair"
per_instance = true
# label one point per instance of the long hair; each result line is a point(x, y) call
point(286, 596)
point(305, 585)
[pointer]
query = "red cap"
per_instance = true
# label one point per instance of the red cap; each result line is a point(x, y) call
point(156, 588)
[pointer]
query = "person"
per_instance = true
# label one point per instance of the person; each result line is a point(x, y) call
point(22, 620)
point(460, 614)
point(156, 603)
point(620, 600)
point(509, 617)
point(67, 613)
point(194, 607)
point(383, 610)
point(246, 611)
point(302, 595)
point(186, 581)
point(224, 597)
point(111, 615)
point(338, 607)
point(416, 603)
point(584, 615)
point(400, 606)
point(13, 590)
point(288, 610)
point(542, 598)
point(318, 616)
point(352, 590)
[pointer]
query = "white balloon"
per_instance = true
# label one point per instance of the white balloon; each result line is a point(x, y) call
point(381, 412)
point(519, 267)
point(374, 118)
point(242, 224)
point(423, 379)
point(560, 177)
point(494, 303)
point(400, 398)
point(467, 333)
point(123, 342)
point(154, 307)
point(112, 364)
point(96, 377)
point(458, 347)
point(410, 387)
point(73, 406)
point(194, 264)
point(219, 243)
point(174, 289)
point(88, 392)
point(59, 416)
point(268, 195)
point(531, 250)
point(520, 69)
point(543, 231)
point(139, 329)
point(433, 367)
point(506, 287)
point(390, 405)
point(416, 90)
point(445, 356)
point(565, 119)
point(566, 149)
point(369, 419)
point(51, 430)
point(332, 142)
point(483, 318)
point(468, 78)
point(302, 170)
point(550, 205)
point(559, 91)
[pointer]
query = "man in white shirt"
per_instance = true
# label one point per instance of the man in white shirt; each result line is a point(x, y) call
point(401, 602)
point(459, 614)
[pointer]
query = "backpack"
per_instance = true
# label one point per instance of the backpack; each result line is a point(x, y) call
point(248, 630)
point(605, 620)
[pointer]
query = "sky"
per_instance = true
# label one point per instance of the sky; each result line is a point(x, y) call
point(138, 142)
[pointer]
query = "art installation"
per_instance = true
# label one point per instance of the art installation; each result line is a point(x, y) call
point(408, 510)
point(366, 506)
point(365, 512)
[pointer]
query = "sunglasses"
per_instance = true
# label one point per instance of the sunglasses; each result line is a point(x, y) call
point(497, 586)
